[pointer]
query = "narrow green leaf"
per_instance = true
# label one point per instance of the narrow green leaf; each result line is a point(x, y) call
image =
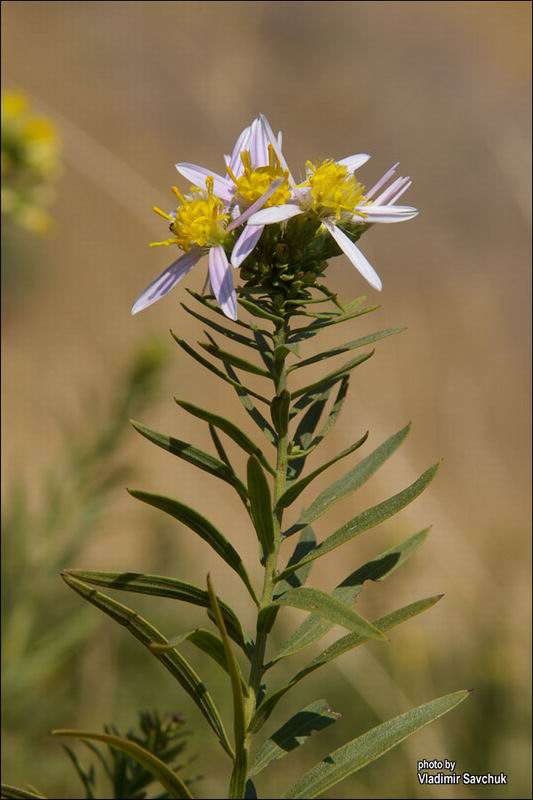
point(246, 401)
point(333, 610)
point(338, 648)
point(295, 489)
point(194, 456)
point(260, 505)
point(371, 745)
point(371, 517)
point(259, 311)
point(344, 348)
point(306, 544)
point(230, 334)
point(86, 778)
point(340, 372)
point(200, 525)
point(238, 778)
point(314, 627)
point(203, 639)
point(295, 732)
point(147, 634)
point(279, 411)
point(160, 586)
point(166, 777)
point(219, 447)
point(315, 393)
point(211, 303)
point(354, 478)
point(211, 367)
point(235, 361)
point(231, 430)
point(351, 311)
point(14, 793)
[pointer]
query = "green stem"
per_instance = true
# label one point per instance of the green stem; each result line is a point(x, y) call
point(265, 621)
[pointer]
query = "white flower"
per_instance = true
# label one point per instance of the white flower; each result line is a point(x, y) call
point(332, 192)
point(206, 216)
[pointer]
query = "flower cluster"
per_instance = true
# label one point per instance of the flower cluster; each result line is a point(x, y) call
point(225, 216)
point(30, 163)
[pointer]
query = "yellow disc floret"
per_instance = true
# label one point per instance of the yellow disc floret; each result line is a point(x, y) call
point(200, 219)
point(253, 183)
point(333, 190)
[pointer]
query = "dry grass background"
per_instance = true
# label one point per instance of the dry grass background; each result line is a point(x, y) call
point(441, 86)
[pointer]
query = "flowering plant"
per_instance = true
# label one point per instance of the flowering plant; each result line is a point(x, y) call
point(280, 234)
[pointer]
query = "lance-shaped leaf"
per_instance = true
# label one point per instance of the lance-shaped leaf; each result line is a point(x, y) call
point(306, 544)
point(345, 348)
point(371, 745)
point(295, 489)
point(295, 732)
point(250, 408)
point(231, 430)
point(16, 793)
point(235, 361)
point(228, 332)
point(212, 305)
point(314, 394)
point(260, 505)
point(204, 640)
point(314, 627)
point(351, 311)
point(238, 778)
point(333, 415)
point(160, 586)
point(354, 478)
point(200, 525)
point(147, 634)
point(331, 609)
point(171, 782)
point(211, 367)
point(260, 311)
point(194, 456)
point(338, 648)
point(340, 372)
point(370, 518)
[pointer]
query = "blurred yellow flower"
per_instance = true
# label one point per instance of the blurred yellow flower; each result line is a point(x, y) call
point(29, 164)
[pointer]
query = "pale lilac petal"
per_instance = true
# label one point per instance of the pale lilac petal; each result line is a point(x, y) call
point(391, 191)
point(167, 280)
point(240, 145)
point(280, 140)
point(223, 187)
point(246, 243)
point(355, 255)
point(277, 149)
point(382, 181)
point(255, 206)
point(375, 213)
point(258, 145)
point(222, 281)
point(407, 185)
point(268, 216)
point(354, 162)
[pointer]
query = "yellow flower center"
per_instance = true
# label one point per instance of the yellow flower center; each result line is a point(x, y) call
point(200, 219)
point(333, 189)
point(253, 183)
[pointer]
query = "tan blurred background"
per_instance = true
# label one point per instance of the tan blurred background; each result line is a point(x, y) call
point(443, 87)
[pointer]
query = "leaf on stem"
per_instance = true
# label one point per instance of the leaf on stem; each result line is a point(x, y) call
point(371, 745)
point(338, 648)
point(354, 478)
point(16, 793)
point(295, 732)
point(235, 361)
point(231, 334)
point(201, 526)
point(331, 609)
point(344, 348)
point(231, 430)
point(147, 634)
point(340, 372)
point(193, 455)
point(260, 505)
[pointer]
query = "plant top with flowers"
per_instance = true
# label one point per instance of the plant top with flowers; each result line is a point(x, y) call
point(278, 235)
